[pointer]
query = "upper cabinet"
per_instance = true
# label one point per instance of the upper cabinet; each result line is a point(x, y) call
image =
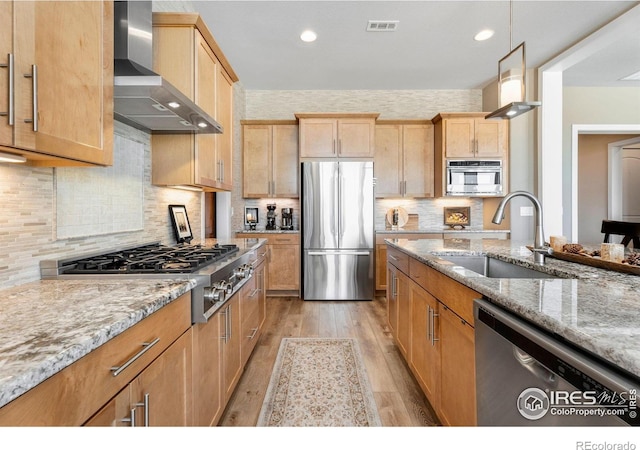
point(270, 159)
point(56, 82)
point(403, 162)
point(186, 55)
point(328, 135)
point(470, 135)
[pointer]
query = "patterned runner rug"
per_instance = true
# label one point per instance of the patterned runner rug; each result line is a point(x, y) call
point(319, 383)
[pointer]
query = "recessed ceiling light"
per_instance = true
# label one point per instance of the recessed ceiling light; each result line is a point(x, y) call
point(308, 36)
point(483, 35)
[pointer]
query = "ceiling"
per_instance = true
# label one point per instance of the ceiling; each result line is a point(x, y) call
point(432, 48)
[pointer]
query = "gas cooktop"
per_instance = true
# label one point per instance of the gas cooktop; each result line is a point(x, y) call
point(149, 258)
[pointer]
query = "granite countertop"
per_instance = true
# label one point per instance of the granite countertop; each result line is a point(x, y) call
point(268, 231)
point(595, 309)
point(49, 324)
point(442, 230)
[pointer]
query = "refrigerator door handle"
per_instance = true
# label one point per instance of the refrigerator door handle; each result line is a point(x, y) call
point(341, 224)
point(340, 253)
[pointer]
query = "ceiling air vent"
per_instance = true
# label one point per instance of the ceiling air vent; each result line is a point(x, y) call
point(382, 25)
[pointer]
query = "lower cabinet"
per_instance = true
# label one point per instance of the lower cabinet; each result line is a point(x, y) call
point(252, 300)
point(208, 403)
point(436, 337)
point(231, 340)
point(159, 396)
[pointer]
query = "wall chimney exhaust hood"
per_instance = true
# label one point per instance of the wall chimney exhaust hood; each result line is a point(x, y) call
point(141, 97)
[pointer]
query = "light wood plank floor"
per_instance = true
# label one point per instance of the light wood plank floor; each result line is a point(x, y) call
point(399, 399)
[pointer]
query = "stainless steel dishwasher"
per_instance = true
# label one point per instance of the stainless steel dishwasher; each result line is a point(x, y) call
point(527, 377)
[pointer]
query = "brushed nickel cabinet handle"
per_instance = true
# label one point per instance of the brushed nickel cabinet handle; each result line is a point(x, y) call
point(131, 420)
point(11, 92)
point(146, 346)
point(34, 85)
point(253, 334)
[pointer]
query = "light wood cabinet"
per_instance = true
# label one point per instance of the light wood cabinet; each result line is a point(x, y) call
point(60, 57)
point(282, 267)
point(439, 346)
point(425, 342)
point(468, 136)
point(337, 135)
point(270, 159)
point(403, 161)
point(458, 379)
point(186, 55)
point(251, 305)
point(208, 403)
point(76, 393)
point(231, 342)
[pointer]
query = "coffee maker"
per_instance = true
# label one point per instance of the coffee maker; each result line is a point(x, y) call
point(271, 217)
point(287, 219)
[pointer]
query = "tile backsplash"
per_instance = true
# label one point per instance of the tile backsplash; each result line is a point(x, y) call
point(28, 199)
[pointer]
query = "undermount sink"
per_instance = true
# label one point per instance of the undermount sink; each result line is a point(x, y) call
point(495, 268)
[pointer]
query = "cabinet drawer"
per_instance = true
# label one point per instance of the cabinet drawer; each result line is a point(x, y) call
point(419, 273)
point(398, 259)
point(74, 394)
point(273, 238)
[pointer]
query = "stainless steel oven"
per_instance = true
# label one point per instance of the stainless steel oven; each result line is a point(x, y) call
point(474, 177)
point(527, 377)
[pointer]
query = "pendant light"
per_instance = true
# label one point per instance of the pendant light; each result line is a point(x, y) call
point(512, 81)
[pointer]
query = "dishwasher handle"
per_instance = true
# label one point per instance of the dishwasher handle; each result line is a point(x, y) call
point(532, 365)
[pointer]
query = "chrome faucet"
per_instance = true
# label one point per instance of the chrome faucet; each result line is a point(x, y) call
point(539, 248)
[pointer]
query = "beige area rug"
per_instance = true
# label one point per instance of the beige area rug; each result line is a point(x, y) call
point(319, 383)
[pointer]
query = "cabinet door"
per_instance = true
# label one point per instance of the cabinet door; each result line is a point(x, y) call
point(256, 175)
point(6, 49)
point(262, 297)
point(283, 267)
point(458, 376)
point(285, 161)
point(206, 167)
point(381, 267)
point(232, 366)
point(356, 138)
point(491, 138)
point(249, 317)
point(165, 387)
point(404, 314)
point(224, 141)
point(417, 144)
point(72, 90)
point(425, 347)
point(117, 413)
point(459, 138)
point(392, 299)
point(207, 372)
point(318, 138)
point(387, 162)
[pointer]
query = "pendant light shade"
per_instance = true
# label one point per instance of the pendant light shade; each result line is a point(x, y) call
point(512, 85)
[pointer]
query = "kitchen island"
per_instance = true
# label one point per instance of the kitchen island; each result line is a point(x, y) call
point(594, 309)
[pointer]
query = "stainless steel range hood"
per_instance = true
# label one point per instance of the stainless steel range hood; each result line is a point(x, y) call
point(142, 98)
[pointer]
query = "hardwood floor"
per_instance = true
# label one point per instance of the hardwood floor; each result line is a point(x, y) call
point(399, 399)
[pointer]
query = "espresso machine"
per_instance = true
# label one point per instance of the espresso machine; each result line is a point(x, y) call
point(271, 217)
point(287, 219)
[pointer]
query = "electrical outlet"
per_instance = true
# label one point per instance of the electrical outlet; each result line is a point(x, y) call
point(526, 211)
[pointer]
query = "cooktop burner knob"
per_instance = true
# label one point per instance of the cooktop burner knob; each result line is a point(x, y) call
point(214, 294)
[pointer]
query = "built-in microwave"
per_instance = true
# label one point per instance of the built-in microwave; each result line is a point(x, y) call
point(474, 177)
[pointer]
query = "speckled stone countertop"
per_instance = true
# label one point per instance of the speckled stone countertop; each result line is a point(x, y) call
point(49, 324)
point(438, 231)
point(596, 309)
point(269, 231)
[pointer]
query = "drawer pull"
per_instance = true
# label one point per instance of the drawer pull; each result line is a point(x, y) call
point(394, 258)
point(255, 291)
point(145, 347)
point(255, 331)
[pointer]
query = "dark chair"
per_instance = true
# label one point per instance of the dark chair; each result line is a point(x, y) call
point(630, 231)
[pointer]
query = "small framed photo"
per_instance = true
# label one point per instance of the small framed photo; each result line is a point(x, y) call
point(457, 216)
point(180, 222)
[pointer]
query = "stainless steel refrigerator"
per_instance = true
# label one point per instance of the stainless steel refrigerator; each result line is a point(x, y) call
point(338, 230)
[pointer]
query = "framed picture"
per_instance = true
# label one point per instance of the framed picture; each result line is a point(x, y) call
point(180, 222)
point(457, 216)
